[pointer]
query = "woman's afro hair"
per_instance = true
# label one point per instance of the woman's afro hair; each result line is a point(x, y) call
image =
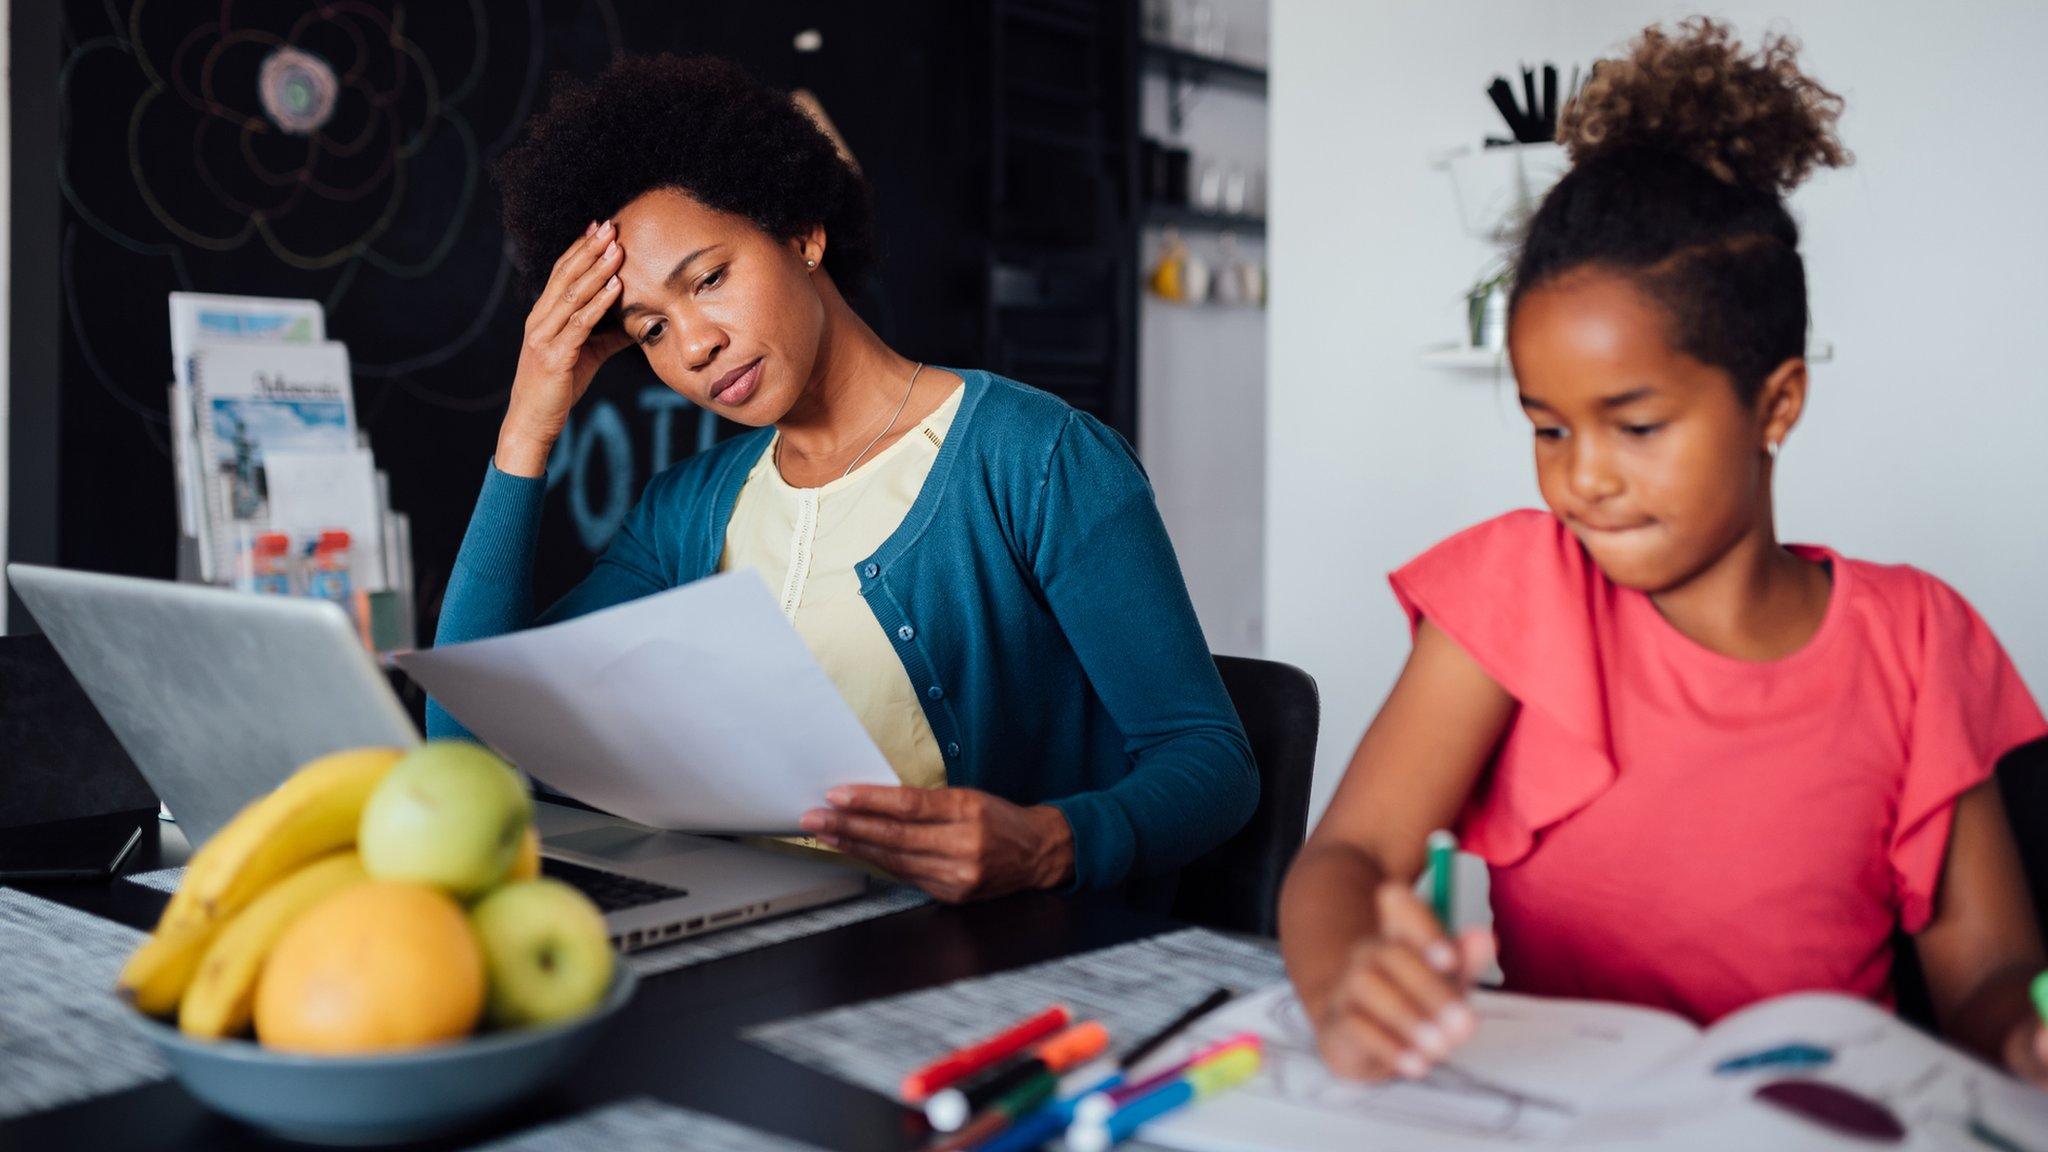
point(696, 124)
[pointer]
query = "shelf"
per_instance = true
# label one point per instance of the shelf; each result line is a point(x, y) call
point(1197, 68)
point(1467, 359)
point(1461, 358)
point(1172, 216)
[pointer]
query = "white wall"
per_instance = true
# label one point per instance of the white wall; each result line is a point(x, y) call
point(1202, 372)
point(1926, 439)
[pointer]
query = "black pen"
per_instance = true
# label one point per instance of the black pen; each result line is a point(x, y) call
point(1503, 98)
point(1149, 1044)
point(1533, 132)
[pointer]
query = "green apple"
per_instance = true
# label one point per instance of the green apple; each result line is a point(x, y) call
point(546, 950)
point(449, 814)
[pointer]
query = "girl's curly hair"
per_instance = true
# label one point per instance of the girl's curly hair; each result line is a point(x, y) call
point(1755, 120)
point(1682, 152)
point(696, 124)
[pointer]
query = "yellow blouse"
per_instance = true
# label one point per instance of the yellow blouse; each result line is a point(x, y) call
point(806, 541)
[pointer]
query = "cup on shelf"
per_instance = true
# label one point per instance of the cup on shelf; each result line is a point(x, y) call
point(1235, 195)
point(1209, 186)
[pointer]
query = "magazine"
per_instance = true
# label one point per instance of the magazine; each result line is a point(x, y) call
point(251, 398)
point(199, 318)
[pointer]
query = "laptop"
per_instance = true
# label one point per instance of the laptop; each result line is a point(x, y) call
point(218, 695)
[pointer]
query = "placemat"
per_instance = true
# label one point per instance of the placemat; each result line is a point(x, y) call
point(64, 1037)
point(642, 1125)
point(164, 880)
point(1132, 988)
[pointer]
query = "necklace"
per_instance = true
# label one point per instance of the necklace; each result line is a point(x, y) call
point(904, 403)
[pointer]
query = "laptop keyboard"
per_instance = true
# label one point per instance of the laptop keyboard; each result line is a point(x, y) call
point(609, 890)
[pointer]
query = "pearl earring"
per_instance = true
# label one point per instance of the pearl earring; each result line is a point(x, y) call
point(1771, 449)
point(811, 263)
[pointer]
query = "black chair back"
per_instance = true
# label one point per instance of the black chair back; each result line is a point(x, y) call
point(2023, 778)
point(1236, 886)
point(2023, 784)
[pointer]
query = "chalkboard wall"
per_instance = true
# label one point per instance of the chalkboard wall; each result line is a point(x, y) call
point(170, 175)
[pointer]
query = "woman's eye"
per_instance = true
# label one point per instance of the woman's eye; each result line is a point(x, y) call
point(1549, 433)
point(1640, 430)
point(651, 333)
point(712, 281)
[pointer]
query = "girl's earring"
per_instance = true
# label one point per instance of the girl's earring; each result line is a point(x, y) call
point(1771, 449)
point(811, 263)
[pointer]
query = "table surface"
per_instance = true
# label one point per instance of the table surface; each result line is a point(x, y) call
point(679, 1041)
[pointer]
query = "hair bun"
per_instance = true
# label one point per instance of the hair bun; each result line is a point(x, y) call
point(1754, 120)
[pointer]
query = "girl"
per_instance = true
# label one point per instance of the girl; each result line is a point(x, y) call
point(1705, 768)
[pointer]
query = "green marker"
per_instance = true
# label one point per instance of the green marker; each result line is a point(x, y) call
point(1443, 851)
point(2040, 990)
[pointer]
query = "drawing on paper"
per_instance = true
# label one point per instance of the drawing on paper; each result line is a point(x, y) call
point(1449, 1099)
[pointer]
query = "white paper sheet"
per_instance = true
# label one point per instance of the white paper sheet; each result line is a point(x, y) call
point(698, 709)
point(315, 491)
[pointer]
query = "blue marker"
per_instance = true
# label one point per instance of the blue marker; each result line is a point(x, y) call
point(1038, 1127)
point(1226, 1071)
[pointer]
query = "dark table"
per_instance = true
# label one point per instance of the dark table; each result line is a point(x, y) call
point(679, 1040)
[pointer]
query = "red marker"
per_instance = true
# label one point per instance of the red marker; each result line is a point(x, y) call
point(956, 1066)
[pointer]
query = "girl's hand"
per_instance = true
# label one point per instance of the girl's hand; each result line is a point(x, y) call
point(562, 350)
point(958, 844)
point(2026, 1052)
point(1399, 1006)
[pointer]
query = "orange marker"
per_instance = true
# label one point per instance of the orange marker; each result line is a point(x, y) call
point(949, 1108)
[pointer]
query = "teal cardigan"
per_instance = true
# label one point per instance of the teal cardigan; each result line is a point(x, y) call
point(1031, 593)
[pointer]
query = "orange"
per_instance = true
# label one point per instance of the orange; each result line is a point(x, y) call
point(377, 966)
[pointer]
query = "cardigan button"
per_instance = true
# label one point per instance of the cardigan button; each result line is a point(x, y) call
point(953, 750)
point(905, 633)
point(872, 571)
point(934, 692)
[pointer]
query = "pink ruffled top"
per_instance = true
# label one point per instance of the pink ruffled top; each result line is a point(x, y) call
point(1669, 826)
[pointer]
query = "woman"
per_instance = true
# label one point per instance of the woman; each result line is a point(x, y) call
point(980, 568)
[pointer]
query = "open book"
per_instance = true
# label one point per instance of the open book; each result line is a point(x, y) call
point(1581, 1074)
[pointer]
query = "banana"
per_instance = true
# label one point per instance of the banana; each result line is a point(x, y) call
point(526, 865)
point(314, 812)
point(158, 972)
point(235, 839)
point(222, 994)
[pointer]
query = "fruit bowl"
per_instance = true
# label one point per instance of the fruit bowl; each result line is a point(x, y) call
point(382, 1099)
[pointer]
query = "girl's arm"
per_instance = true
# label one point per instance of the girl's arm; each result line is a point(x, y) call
point(1371, 964)
point(1982, 947)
